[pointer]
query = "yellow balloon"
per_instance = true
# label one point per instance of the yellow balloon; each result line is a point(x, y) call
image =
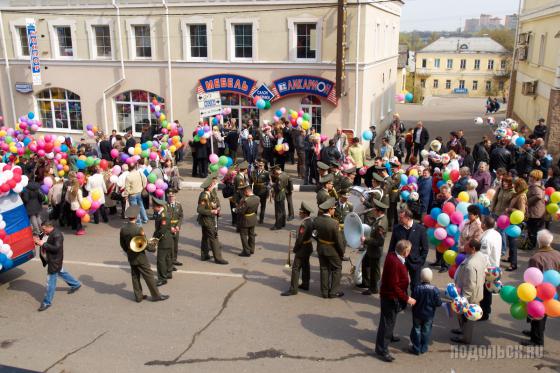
point(162, 117)
point(96, 194)
point(463, 197)
point(13, 149)
point(294, 115)
point(555, 197)
point(172, 148)
point(413, 172)
point(86, 204)
point(2, 133)
point(61, 173)
point(137, 151)
point(526, 292)
point(305, 125)
point(516, 217)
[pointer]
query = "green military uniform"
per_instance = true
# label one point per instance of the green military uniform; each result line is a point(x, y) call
point(342, 210)
point(330, 249)
point(303, 248)
point(165, 244)
point(208, 201)
point(338, 180)
point(247, 214)
point(261, 188)
point(371, 268)
point(392, 184)
point(378, 193)
point(289, 190)
point(240, 180)
point(176, 211)
point(323, 194)
point(280, 186)
point(139, 265)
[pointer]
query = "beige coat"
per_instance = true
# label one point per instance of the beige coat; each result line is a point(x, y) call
point(470, 277)
point(501, 201)
point(535, 202)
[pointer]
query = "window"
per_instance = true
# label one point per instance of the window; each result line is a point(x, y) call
point(243, 39)
point(488, 85)
point(463, 64)
point(142, 41)
point(542, 49)
point(306, 40)
point(312, 105)
point(133, 110)
point(423, 83)
point(477, 64)
point(449, 63)
point(198, 39)
point(436, 83)
point(102, 35)
point(23, 42)
point(448, 84)
point(501, 85)
point(490, 64)
point(64, 39)
point(461, 84)
point(503, 64)
point(242, 108)
point(475, 85)
point(424, 62)
point(437, 63)
point(60, 109)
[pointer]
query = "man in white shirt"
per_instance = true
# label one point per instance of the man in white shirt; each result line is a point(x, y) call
point(96, 185)
point(491, 248)
point(340, 140)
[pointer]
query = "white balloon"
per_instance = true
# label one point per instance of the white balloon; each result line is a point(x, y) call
point(61, 139)
point(8, 175)
point(113, 179)
point(50, 155)
point(18, 188)
point(478, 120)
point(24, 180)
point(10, 254)
point(3, 223)
point(131, 150)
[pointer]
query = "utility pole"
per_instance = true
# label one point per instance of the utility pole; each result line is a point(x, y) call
point(341, 46)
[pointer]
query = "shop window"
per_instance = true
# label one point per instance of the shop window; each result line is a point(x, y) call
point(102, 37)
point(59, 109)
point(242, 108)
point(133, 110)
point(312, 105)
point(64, 41)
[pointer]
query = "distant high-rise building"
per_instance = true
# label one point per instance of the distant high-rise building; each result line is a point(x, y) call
point(511, 22)
point(485, 20)
point(472, 25)
point(495, 23)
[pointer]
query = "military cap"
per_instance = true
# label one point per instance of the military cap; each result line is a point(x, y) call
point(206, 183)
point(305, 208)
point(380, 204)
point(326, 179)
point(328, 204)
point(132, 211)
point(276, 167)
point(349, 171)
point(344, 193)
point(243, 165)
point(243, 187)
point(335, 164)
point(159, 201)
point(322, 166)
point(378, 177)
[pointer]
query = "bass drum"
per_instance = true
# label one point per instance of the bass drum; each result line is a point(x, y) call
point(356, 195)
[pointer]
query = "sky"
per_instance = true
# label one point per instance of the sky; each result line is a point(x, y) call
point(448, 15)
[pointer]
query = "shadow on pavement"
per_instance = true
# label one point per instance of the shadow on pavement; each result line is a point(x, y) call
point(34, 289)
point(339, 328)
point(105, 288)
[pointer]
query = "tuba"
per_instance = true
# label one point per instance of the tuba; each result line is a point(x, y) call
point(354, 229)
point(138, 244)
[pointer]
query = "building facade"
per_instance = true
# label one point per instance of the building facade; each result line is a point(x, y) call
point(535, 91)
point(472, 25)
point(474, 67)
point(510, 22)
point(102, 63)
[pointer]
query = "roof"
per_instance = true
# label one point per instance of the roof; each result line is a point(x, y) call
point(465, 45)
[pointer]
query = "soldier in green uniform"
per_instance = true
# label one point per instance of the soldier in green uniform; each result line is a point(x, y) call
point(337, 176)
point(343, 208)
point(325, 192)
point(378, 193)
point(208, 211)
point(139, 265)
point(323, 171)
point(176, 211)
point(247, 214)
point(289, 190)
point(165, 244)
point(371, 269)
point(303, 248)
point(281, 180)
point(330, 249)
point(349, 175)
point(261, 186)
point(240, 180)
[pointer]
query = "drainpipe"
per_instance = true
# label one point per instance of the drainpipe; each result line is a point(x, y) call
point(169, 78)
point(357, 82)
point(514, 65)
point(7, 67)
point(123, 75)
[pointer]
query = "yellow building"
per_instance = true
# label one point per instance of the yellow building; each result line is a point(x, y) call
point(474, 67)
point(535, 90)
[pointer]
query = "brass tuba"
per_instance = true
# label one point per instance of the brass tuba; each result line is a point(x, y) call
point(138, 243)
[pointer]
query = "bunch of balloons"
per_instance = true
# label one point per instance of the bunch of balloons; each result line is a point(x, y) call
point(536, 297)
point(404, 96)
point(281, 148)
point(553, 199)
point(203, 134)
point(510, 224)
point(11, 178)
point(493, 281)
point(28, 124)
point(461, 305)
point(91, 130)
point(261, 103)
point(297, 118)
point(155, 186)
point(220, 164)
point(409, 186)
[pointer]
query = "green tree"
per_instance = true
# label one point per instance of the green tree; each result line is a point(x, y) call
point(505, 37)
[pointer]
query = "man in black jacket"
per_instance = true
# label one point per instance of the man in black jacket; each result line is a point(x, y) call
point(52, 254)
point(407, 229)
point(105, 148)
point(420, 136)
point(480, 152)
point(500, 157)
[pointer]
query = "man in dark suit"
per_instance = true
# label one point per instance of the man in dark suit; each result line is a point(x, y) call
point(250, 150)
point(407, 229)
point(420, 136)
point(130, 140)
point(105, 148)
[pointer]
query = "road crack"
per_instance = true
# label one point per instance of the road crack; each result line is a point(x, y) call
point(225, 303)
point(75, 351)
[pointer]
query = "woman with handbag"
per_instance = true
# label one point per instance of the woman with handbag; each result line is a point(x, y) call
point(74, 198)
point(536, 207)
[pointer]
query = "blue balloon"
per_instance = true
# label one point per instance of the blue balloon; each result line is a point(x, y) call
point(513, 231)
point(81, 164)
point(452, 229)
point(279, 113)
point(8, 263)
point(443, 219)
point(200, 132)
point(404, 195)
point(408, 97)
point(435, 212)
point(229, 162)
point(64, 148)
point(462, 207)
point(144, 146)
point(451, 290)
point(520, 141)
point(430, 232)
point(440, 183)
point(367, 135)
point(31, 115)
point(552, 277)
point(404, 179)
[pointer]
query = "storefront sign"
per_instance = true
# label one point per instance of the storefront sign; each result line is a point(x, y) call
point(33, 50)
point(209, 104)
point(24, 87)
point(461, 90)
point(264, 93)
point(227, 83)
point(305, 85)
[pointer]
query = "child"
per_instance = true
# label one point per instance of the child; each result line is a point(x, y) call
point(427, 299)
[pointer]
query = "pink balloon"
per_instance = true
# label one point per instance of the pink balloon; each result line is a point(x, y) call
point(159, 193)
point(275, 118)
point(159, 183)
point(448, 241)
point(503, 221)
point(362, 171)
point(116, 170)
point(153, 156)
point(80, 213)
point(95, 205)
point(533, 276)
point(535, 309)
point(223, 170)
point(48, 138)
point(80, 175)
point(440, 233)
point(114, 153)
point(151, 187)
point(41, 153)
point(456, 218)
point(300, 113)
point(213, 158)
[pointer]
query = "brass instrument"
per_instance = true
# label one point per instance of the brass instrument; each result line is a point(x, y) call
point(140, 243)
point(153, 244)
point(333, 193)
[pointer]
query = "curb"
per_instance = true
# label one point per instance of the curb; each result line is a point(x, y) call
point(195, 185)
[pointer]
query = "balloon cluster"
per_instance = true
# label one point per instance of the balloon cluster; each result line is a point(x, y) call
point(409, 186)
point(553, 199)
point(261, 103)
point(203, 134)
point(89, 204)
point(28, 124)
point(536, 297)
point(91, 130)
point(493, 281)
point(220, 164)
point(404, 96)
point(296, 118)
point(11, 178)
point(510, 224)
point(461, 305)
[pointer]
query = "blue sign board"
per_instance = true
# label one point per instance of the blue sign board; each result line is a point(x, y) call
point(305, 84)
point(228, 83)
point(264, 93)
point(461, 90)
point(33, 50)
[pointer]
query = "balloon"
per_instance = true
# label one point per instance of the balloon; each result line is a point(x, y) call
point(223, 171)
point(452, 229)
point(462, 208)
point(555, 197)
point(457, 217)
point(222, 161)
point(435, 213)
point(533, 276)
point(513, 231)
point(214, 167)
point(96, 194)
point(405, 194)
point(463, 197)
point(449, 257)
point(261, 104)
point(552, 208)
point(408, 97)
point(451, 290)
point(474, 312)
point(518, 311)
point(443, 220)
point(367, 135)
point(440, 248)
point(451, 271)
point(103, 164)
point(152, 178)
point(448, 241)
point(502, 221)
point(552, 308)
point(526, 292)
point(448, 208)
point(440, 233)
point(546, 291)
point(535, 310)
point(151, 188)
point(516, 217)
point(549, 190)
point(214, 158)
point(429, 221)
point(460, 258)
point(552, 277)
point(520, 141)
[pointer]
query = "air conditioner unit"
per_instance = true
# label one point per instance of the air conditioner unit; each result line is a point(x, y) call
point(529, 88)
point(523, 38)
point(522, 53)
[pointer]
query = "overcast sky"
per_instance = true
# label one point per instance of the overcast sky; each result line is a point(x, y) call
point(448, 15)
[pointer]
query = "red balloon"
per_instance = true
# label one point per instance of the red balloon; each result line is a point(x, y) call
point(448, 208)
point(17, 171)
point(11, 183)
point(452, 270)
point(48, 147)
point(429, 221)
point(549, 191)
point(7, 167)
point(546, 291)
point(2, 234)
point(454, 175)
point(4, 188)
point(103, 164)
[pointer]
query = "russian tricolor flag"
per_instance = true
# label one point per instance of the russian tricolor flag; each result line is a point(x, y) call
point(19, 234)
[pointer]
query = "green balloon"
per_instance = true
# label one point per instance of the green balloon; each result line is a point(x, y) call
point(222, 161)
point(306, 116)
point(214, 167)
point(8, 139)
point(446, 176)
point(518, 311)
point(196, 138)
point(509, 294)
point(434, 241)
point(89, 161)
point(150, 144)
point(145, 153)
point(152, 178)
point(163, 146)
point(267, 104)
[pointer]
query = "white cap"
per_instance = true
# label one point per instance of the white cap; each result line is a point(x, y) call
point(426, 275)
